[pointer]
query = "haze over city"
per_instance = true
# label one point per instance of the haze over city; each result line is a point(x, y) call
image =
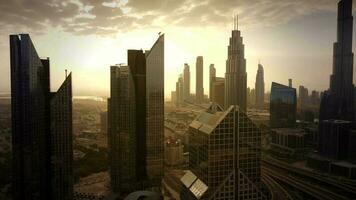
point(292, 39)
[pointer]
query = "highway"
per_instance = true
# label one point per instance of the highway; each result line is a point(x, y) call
point(276, 190)
point(317, 185)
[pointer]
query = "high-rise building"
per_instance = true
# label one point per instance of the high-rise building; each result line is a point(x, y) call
point(180, 90)
point(199, 88)
point(290, 83)
point(155, 112)
point(236, 76)
point(260, 87)
point(225, 156)
point(337, 109)
point(136, 116)
point(41, 127)
point(337, 102)
point(283, 106)
point(218, 91)
point(303, 99)
point(186, 82)
point(212, 77)
point(122, 130)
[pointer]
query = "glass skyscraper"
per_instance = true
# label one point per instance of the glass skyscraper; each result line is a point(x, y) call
point(136, 120)
point(41, 127)
point(283, 106)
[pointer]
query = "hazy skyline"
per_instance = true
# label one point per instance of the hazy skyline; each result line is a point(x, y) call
point(293, 39)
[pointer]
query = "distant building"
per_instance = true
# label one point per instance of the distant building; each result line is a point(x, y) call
point(212, 77)
point(236, 76)
point(224, 156)
point(103, 121)
point(289, 142)
point(283, 105)
point(174, 97)
point(186, 82)
point(173, 152)
point(315, 98)
point(180, 91)
point(42, 128)
point(199, 90)
point(290, 83)
point(303, 99)
point(136, 117)
point(260, 87)
point(218, 91)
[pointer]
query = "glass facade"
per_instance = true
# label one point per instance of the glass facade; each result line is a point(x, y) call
point(155, 112)
point(283, 105)
point(225, 155)
point(40, 126)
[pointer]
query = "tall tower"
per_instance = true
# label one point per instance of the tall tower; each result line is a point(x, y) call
point(260, 87)
point(135, 120)
point(186, 81)
point(236, 76)
point(337, 103)
point(155, 112)
point(212, 77)
point(199, 88)
point(41, 127)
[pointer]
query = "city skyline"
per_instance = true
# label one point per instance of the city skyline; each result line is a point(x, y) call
point(311, 25)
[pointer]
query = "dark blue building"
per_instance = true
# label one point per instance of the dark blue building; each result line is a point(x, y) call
point(283, 106)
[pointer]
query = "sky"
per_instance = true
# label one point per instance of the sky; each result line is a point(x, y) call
point(291, 39)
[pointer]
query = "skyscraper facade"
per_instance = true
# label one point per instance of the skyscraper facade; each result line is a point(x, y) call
point(155, 112)
point(337, 109)
point(225, 156)
point(212, 76)
point(236, 76)
point(186, 81)
point(136, 116)
point(260, 87)
point(199, 88)
point(41, 127)
point(337, 102)
point(303, 99)
point(121, 130)
point(283, 106)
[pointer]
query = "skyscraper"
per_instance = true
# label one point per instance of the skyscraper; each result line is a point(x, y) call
point(337, 109)
point(303, 99)
point(337, 102)
point(260, 87)
point(41, 127)
point(225, 156)
point(236, 76)
point(199, 88)
point(136, 116)
point(122, 130)
point(212, 76)
point(186, 82)
point(155, 112)
point(283, 106)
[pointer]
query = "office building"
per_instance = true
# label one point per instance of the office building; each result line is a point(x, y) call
point(303, 99)
point(225, 156)
point(218, 91)
point(212, 76)
point(236, 76)
point(155, 112)
point(180, 91)
point(186, 82)
point(260, 87)
point(136, 116)
point(41, 127)
point(283, 105)
point(199, 87)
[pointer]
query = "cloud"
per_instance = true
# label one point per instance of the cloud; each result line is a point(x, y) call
point(106, 17)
